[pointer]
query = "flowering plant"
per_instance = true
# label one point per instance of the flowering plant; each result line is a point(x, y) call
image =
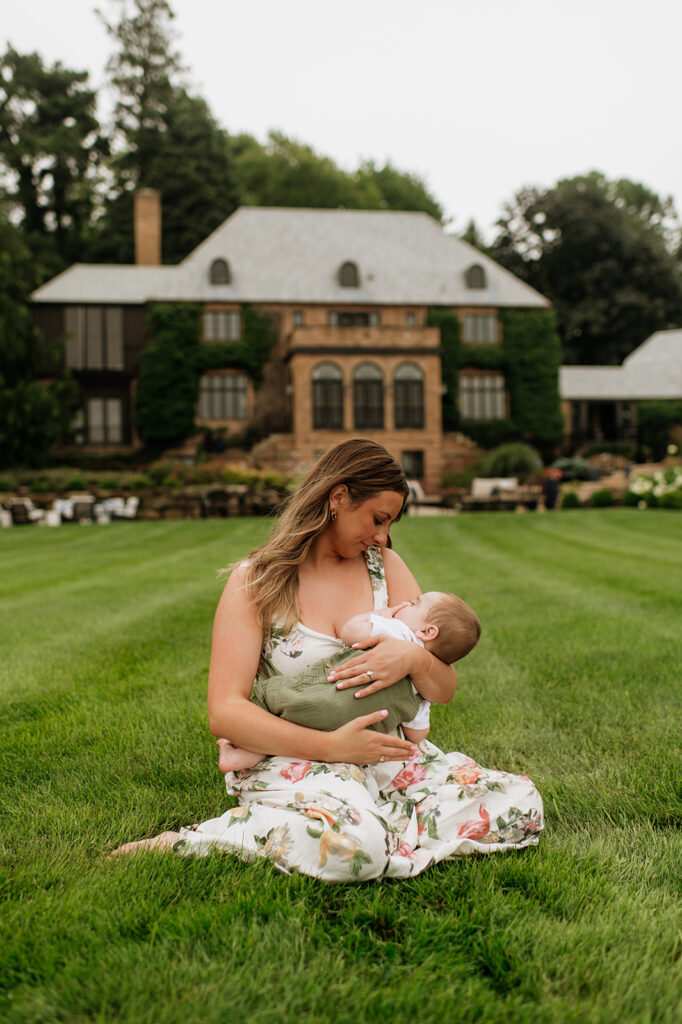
point(663, 488)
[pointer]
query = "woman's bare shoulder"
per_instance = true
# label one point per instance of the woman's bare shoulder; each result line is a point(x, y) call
point(402, 586)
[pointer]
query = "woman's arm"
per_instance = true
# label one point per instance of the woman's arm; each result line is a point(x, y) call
point(235, 654)
point(390, 660)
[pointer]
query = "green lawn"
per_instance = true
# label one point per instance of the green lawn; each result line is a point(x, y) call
point(104, 639)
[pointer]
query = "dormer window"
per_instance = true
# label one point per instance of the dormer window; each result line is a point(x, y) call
point(475, 276)
point(349, 275)
point(220, 272)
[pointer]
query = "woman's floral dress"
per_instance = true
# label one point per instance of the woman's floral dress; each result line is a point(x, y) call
point(343, 823)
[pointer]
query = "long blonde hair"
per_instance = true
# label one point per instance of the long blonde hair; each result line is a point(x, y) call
point(366, 468)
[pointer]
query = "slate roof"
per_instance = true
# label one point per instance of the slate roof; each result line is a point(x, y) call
point(653, 370)
point(293, 255)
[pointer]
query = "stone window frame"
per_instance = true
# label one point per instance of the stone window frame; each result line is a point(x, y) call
point(480, 329)
point(223, 396)
point(482, 396)
point(103, 419)
point(221, 325)
point(368, 396)
point(353, 318)
point(408, 396)
point(413, 464)
point(94, 337)
point(326, 383)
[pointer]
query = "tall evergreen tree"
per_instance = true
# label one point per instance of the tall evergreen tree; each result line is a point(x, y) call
point(163, 138)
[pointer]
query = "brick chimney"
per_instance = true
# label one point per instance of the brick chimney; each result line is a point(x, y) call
point(147, 227)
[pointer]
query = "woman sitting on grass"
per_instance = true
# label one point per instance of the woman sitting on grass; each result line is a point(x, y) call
point(355, 803)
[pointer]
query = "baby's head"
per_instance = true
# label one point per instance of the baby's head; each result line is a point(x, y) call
point(448, 627)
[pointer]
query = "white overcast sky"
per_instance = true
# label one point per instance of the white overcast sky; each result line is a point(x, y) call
point(478, 97)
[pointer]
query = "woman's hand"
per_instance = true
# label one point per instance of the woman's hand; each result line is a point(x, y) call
point(382, 663)
point(355, 743)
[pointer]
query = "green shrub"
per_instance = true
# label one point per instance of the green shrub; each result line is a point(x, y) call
point(41, 485)
point(76, 483)
point(109, 483)
point(628, 449)
point(277, 480)
point(234, 475)
point(462, 478)
point(573, 468)
point(140, 482)
point(672, 499)
point(170, 481)
point(6, 484)
point(159, 471)
point(514, 459)
point(490, 433)
point(570, 500)
point(602, 498)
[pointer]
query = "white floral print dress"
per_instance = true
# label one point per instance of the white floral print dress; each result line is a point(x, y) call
point(343, 823)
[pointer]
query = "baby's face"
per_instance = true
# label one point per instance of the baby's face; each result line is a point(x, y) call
point(416, 614)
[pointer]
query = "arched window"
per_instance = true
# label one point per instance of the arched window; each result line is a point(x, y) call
point(327, 381)
point(475, 276)
point(408, 396)
point(349, 275)
point(368, 397)
point(220, 272)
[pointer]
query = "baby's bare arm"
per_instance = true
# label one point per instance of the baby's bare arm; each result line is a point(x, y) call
point(356, 629)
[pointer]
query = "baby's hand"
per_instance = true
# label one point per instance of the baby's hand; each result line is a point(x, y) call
point(390, 612)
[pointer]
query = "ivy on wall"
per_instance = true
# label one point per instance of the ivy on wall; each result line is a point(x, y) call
point(170, 367)
point(250, 354)
point(532, 353)
point(529, 359)
point(656, 419)
point(448, 324)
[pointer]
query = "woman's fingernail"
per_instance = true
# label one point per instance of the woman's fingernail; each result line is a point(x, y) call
point(384, 713)
point(355, 645)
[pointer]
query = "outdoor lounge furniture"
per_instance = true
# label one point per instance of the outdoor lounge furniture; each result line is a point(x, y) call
point(417, 500)
point(24, 512)
point(83, 507)
point(116, 508)
point(217, 502)
point(490, 493)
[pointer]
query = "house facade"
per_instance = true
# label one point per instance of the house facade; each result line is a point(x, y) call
point(348, 293)
point(600, 402)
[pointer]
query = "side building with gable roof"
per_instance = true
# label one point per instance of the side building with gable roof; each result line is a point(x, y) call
point(348, 293)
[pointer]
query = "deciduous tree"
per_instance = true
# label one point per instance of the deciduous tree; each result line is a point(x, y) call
point(50, 156)
point(601, 252)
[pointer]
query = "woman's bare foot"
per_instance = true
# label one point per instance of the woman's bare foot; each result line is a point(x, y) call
point(164, 841)
point(236, 759)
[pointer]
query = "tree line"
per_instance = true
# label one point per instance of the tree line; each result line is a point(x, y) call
point(607, 254)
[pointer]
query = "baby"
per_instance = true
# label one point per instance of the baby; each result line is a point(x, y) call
point(440, 622)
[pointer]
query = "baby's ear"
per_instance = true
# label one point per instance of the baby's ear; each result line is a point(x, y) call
point(429, 632)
